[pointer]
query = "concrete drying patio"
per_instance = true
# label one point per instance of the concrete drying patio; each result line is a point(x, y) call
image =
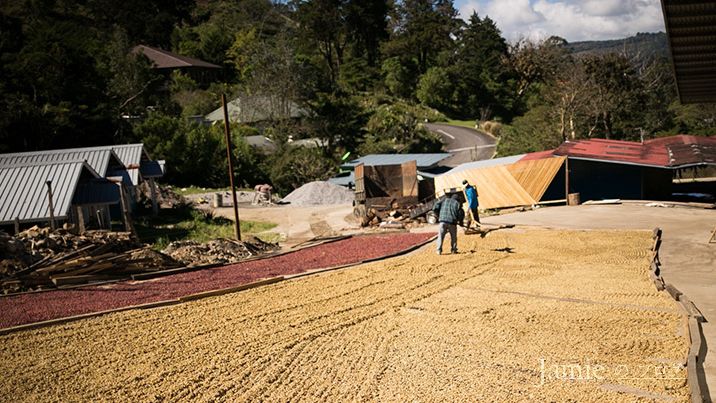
point(519, 315)
point(689, 262)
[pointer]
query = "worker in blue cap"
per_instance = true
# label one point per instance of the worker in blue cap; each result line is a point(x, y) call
point(472, 203)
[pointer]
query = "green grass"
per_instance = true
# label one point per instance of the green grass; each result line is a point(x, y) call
point(463, 123)
point(190, 224)
point(191, 190)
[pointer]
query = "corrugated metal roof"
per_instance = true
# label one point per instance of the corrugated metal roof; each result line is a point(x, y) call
point(422, 160)
point(614, 151)
point(99, 158)
point(350, 180)
point(163, 59)
point(487, 163)
point(23, 189)
point(131, 156)
point(685, 150)
point(667, 152)
point(691, 29)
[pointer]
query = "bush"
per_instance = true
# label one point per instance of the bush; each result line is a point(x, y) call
point(291, 167)
point(532, 132)
point(492, 127)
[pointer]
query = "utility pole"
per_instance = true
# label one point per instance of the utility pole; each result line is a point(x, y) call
point(237, 225)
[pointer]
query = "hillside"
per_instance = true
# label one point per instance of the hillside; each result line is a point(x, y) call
point(646, 44)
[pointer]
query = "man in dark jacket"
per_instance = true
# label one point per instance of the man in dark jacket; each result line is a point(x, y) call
point(450, 213)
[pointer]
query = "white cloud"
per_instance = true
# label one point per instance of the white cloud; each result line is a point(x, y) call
point(574, 20)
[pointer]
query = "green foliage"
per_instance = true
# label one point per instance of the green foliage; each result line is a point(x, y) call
point(436, 88)
point(190, 224)
point(399, 77)
point(291, 167)
point(535, 131)
point(197, 152)
point(338, 118)
point(422, 30)
point(399, 125)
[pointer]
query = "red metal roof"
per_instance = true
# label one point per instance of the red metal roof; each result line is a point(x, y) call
point(538, 155)
point(615, 150)
point(163, 59)
point(671, 152)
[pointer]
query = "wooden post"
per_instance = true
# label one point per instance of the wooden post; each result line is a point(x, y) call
point(17, 225)
point(152, 186)
point(80, 220)
point(125, 212)
point(237, 227)
point(52, 207)
point(566, 179)
point(107, 218)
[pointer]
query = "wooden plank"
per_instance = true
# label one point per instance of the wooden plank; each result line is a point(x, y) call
point(535, 176)
point(223, 291)
point(691, 309)
point(410, 178)
point(496, 186)
point(60, 281)
point(692, 379)
point(673, 291)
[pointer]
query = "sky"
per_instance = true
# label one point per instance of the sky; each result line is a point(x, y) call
point(573, 20)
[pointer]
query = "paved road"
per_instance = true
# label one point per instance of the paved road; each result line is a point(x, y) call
point(464, 143)
point(689, 262)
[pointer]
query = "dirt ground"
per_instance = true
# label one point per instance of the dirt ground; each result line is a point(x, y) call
point(520, 315)
point(297, 224)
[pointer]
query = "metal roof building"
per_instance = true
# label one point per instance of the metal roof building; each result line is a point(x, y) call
point(667, 152)
point(24, 192)
point(126, 160)
point(423, 161)
point(691, 29)
point(134, 156)
point(101, 159)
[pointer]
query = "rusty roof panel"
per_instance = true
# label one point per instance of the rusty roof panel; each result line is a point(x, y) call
point(666, 152)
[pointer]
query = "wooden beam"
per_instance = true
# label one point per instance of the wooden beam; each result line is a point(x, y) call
point(50, 204)
point(153, 187)
point(125, 212)
point(80, 220)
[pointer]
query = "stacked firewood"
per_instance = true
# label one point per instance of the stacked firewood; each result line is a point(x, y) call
point(41, 258)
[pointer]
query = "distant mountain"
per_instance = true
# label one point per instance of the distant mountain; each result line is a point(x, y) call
point(643, 45)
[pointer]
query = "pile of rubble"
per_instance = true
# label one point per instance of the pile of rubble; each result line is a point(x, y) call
point(40, 258)
point(217, 251)
point(166, 197)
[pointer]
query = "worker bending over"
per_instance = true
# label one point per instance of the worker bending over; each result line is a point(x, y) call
point(450, 213)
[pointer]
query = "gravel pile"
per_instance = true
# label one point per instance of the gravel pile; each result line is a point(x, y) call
point(319, 192)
